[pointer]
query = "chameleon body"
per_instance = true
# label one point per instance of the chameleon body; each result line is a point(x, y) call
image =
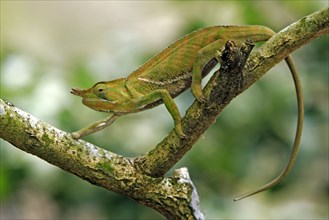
point(172, 71)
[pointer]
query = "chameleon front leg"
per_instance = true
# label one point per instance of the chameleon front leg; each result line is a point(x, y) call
point(97, 126)
point(162, 94)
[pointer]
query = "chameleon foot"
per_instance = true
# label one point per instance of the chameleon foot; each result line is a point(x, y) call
point(198, 94)
point(179, 131)
point(75, 135)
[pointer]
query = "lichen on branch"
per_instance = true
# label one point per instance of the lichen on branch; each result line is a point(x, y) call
point(141, 178)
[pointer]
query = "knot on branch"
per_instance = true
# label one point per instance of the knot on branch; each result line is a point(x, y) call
point(229, 77)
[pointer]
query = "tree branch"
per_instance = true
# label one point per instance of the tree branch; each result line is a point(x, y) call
point(175, 197)
point(141, 178)
point(172, 196)
point(200, 116)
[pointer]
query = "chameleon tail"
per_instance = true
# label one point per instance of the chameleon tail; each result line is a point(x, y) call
point(300, 103)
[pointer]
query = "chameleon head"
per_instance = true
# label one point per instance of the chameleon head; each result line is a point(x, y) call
point(96, 98)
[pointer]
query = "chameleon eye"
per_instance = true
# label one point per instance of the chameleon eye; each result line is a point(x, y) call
point(99, 91)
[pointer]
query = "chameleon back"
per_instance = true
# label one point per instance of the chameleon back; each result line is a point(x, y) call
point(171, 69)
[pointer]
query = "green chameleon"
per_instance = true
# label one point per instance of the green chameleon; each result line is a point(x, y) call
point(172, 71)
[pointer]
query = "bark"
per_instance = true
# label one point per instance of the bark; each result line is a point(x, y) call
point(141, 178)
point(175, 197)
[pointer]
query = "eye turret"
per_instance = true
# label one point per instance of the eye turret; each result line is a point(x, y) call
point(100, 91)
point(111, 91)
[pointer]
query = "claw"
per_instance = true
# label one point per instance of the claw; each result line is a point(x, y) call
point(200, 98)
point(179, 131)
point(198, 94)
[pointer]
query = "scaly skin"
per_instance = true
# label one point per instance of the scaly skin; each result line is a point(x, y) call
point(168, 74)
point(171, 72)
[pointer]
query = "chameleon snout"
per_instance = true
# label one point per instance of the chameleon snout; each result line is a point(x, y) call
point(78, 92)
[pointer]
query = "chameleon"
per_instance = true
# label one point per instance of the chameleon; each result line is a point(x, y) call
point(171, 72)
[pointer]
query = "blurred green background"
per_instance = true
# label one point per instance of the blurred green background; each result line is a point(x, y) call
point(47, 47)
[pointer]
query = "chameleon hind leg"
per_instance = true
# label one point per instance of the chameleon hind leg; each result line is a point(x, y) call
point(204, 55)
point(162, 94)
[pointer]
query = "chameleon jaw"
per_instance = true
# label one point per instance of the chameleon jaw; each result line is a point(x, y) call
point(97, 103)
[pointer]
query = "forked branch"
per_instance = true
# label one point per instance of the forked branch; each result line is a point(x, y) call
point(141, 178)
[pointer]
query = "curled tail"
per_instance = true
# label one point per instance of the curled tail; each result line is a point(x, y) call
point(294, 152)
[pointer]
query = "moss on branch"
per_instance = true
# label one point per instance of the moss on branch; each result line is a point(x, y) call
point(141, 178)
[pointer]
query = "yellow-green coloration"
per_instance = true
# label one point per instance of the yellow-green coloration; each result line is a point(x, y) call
point(167, 74)
point(178, 67)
